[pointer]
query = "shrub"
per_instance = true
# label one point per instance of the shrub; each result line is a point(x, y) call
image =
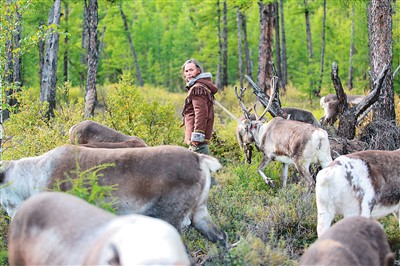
point(85, 185)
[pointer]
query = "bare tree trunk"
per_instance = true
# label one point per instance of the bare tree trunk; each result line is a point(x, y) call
point(350, 83)
point(66, 42)
point(17, 78)
point(49, 75)
point(265, 56)
point(381, 53)
point(348, 116)
point(218, 79)
point(128, 35)
point(239, 36)
point(278, 44)
point(84, 44)
point(321, 70)
point(41, 52)
point(308, 30)
point(284, 58)
point(8, 68)
point(225, 46)
point(249, 68)
point(93, 59)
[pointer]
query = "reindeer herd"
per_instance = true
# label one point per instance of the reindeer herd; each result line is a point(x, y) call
point(161, 190)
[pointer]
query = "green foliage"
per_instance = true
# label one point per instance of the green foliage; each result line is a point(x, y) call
point(29, 126)
point(85, 185)
point(128, 111)
point(4, 221)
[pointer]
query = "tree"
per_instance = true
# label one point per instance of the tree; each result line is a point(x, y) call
point(284, 76)
point(265, 57)
point(278, 44)
point(93, 59)
point(139, 78)
point(380, 42)
point(351, 69)
point(348, 116)
point(321, 71)
point(239, 19)
point(222, 72)
point(49, 72)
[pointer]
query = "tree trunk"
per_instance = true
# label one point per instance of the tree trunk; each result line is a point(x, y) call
point(8, 68)
point(93, 59)
point(278, 44)
point(350, 83)
point(348, 116)
point(284, 58)
point(321, 69)
point(41, 52)
point(265, 46)
point(381, 52)
point(66, 42)
point(128, 35)
point(218, 78)
point(225, 46)
point(239, 37)
point(249, 69)
point(308, 30)
point(49, 75)
point(84, 44)
point(17, 78)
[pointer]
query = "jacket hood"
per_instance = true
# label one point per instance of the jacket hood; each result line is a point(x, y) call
point(204, 78)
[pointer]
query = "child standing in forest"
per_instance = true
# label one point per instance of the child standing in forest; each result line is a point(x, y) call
point(198, 111)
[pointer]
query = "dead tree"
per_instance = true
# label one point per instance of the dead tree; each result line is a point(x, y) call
point(348, 116)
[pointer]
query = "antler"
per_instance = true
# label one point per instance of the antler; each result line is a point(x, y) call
point(272, 96)
point(246, 112)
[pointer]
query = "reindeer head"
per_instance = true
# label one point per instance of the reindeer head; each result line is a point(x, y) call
point(248, 127)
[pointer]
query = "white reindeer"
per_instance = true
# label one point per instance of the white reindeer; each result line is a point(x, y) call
point(54, 228)
point(365, 183)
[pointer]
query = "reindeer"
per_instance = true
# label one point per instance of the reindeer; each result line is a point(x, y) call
point(352, 241)
point(55, 228)
point(330, 105)
point(365, 183)
point(286, 141)
point(95, 135)
point(166, 182)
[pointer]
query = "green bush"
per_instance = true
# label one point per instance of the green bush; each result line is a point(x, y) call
point(127, 111)
point(85, 185)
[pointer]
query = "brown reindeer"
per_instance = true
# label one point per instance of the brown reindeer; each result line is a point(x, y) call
point(166, 182)
point(352, 241)
point(95, 135)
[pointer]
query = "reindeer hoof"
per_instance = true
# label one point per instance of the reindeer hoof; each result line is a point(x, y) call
point(270, 183)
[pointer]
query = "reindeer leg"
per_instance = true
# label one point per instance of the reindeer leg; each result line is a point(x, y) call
point(285, 169)
point(264, 163)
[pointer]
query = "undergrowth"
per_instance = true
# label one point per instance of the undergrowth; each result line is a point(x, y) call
point(270, 226)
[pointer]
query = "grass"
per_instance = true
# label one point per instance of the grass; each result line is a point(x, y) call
point(271, 226)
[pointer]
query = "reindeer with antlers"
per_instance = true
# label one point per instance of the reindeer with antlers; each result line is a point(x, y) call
point(285, 141)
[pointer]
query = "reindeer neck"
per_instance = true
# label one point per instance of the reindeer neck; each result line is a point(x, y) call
point(257, 132)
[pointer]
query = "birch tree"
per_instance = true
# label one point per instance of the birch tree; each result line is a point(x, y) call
point(49, 72)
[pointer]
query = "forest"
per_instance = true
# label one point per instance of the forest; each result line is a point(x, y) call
point(119, 62)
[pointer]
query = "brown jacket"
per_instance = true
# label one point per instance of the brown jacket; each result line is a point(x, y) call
point(198, 111)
